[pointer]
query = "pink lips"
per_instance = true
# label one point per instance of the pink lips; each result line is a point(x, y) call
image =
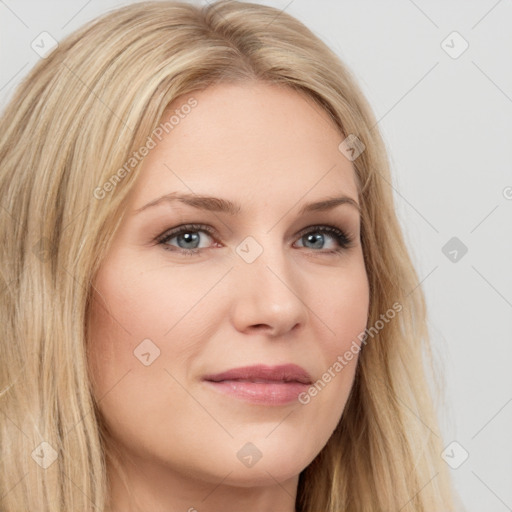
point(267, 385)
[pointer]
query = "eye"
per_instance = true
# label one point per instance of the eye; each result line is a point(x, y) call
point(187, 238)
point(316, 236)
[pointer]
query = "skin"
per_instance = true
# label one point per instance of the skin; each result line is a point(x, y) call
point(272, 150)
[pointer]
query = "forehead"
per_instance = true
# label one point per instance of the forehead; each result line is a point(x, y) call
point(257, 142)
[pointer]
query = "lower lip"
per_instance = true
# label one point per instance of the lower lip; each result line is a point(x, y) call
point(266, 393)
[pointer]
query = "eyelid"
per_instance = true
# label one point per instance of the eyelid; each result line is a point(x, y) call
point(336, 232)
point(184, 227)
point(344, 238)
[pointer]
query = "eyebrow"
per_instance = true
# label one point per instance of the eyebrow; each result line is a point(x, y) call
point(216, 204)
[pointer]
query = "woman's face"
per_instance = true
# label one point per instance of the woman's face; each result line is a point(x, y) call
point(264, 285)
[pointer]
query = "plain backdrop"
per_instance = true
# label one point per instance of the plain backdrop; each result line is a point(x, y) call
point(438, 76)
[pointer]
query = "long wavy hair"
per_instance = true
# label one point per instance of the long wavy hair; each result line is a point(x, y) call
point(73, 122)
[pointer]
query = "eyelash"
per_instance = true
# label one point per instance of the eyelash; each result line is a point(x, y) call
point(344, 240)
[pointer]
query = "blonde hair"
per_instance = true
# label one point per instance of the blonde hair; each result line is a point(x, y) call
point(76, 119)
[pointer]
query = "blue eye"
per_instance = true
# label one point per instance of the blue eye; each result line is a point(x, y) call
point(316, 235)
point(186, 235)
point(188, 239)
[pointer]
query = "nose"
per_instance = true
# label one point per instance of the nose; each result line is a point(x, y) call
point(268, 296)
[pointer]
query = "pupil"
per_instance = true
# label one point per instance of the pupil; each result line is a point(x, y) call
point(318, 241)
point(189, 238)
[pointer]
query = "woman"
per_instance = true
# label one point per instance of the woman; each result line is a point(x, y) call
point(172, 341)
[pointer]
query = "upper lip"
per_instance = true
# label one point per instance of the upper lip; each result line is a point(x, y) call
point(264, 373)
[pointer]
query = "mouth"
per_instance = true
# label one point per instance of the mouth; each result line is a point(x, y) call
point(261, 384)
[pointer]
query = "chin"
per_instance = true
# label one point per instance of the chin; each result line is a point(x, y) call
point(262, 475)
point(279, 461)
point(246, 464)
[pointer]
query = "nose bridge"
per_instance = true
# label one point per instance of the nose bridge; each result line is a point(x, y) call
point(268, 287)
point(267, 261)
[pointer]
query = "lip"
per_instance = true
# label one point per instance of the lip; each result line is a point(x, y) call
point(262, 384)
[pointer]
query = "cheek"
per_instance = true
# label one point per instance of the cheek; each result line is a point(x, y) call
point(131, 306)
point(344, 308)
point(129, 351)
point(341, 306)
point(143, 323)
point(179, 314)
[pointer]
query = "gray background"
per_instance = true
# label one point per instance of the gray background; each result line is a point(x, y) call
point(446, 122)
